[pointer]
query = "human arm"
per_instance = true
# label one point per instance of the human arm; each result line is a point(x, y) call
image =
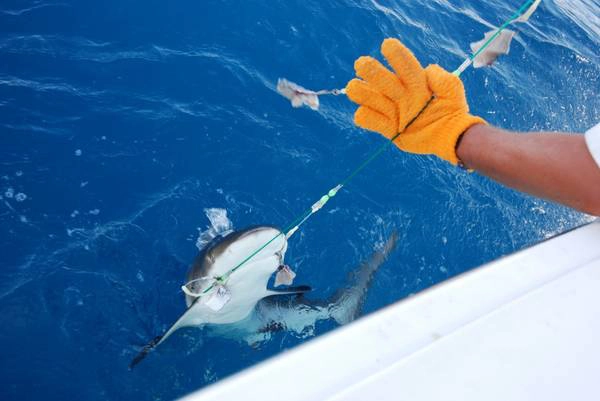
point(425, 111)
point(554, 166)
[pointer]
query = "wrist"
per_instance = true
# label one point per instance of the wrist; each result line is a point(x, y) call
point(469, 143)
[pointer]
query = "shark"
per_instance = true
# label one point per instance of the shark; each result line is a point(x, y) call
point(299, 315)
point(243, 307)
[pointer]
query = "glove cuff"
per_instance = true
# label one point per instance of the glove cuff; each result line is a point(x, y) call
point(455, 128)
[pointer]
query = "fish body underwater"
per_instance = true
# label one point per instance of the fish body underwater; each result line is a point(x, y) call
point(251, 311)
point(299, 315)
point(247, 285)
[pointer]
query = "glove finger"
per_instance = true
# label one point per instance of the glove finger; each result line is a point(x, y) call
point(372, 120)
point(362, 93)
point(445, 85)
point(380, 77)
point(405, 64)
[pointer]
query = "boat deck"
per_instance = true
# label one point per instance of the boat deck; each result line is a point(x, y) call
point(523, 327)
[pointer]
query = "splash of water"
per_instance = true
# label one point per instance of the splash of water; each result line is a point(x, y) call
point(220, 225)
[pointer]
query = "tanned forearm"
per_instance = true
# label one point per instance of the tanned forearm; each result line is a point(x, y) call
point(553, 166)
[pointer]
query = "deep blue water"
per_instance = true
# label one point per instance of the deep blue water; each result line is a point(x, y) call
point(121, 121)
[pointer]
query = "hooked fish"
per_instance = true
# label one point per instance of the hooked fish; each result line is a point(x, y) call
point(248, 310)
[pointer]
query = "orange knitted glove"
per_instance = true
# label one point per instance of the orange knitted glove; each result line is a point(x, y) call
point(389, 102)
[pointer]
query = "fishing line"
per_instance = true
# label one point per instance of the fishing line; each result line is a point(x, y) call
point(299, 96)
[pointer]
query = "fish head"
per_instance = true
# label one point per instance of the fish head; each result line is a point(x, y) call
point(256, 253)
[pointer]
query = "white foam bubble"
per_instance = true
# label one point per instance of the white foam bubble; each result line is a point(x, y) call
point(9, 193)
point(219, 225)
point(20, 197)
point(78, 152)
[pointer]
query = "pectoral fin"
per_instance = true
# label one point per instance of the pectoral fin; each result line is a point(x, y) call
point(301, 289)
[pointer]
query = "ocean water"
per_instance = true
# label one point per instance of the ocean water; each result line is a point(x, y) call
point(132, 132)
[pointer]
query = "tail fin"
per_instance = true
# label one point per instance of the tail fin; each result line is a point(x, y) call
point(145, 351)
point(184, 320)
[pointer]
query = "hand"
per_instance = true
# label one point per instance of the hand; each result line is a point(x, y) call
point(427, 107)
